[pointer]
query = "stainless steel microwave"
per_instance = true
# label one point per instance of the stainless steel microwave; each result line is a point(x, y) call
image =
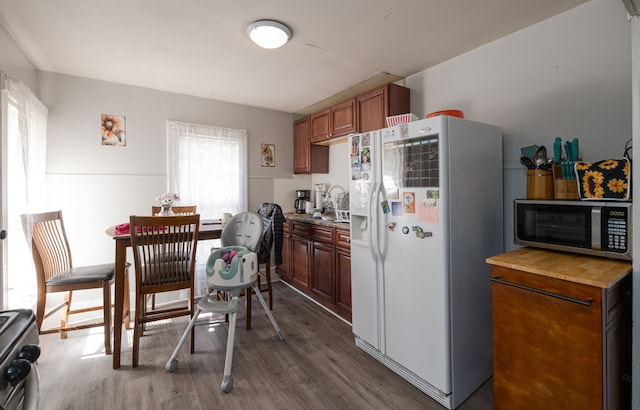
point(590, 227)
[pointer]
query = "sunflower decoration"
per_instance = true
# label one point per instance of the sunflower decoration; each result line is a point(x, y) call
point(592, 184)
point(112, 129)
point(268, 159)
point(608, 164)
point(607, 179)
point(582, 166)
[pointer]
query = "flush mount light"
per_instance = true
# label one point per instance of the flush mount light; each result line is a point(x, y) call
point(268, 33)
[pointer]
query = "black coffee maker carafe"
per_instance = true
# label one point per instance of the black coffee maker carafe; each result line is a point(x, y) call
point(302, 196)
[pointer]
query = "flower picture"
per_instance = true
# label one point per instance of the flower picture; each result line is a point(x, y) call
point(112, 130)
point(268, 155)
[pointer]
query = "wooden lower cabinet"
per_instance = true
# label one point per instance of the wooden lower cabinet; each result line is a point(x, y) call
point(343, 283)
point(300, 262)
point(284, 269)
point(317, 261)
point(323, 276)
point(559, 344)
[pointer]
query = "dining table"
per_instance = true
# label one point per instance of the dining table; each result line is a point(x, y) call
point(208, 229)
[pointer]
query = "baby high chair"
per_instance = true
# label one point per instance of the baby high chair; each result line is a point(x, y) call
point(229, 269)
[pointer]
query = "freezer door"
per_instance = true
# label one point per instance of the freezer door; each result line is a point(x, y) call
point(364, 296)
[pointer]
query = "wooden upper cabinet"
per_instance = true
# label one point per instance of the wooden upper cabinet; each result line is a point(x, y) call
point(343, 118)
point(301, 146)
point(375, 106)
point(308, 158)
point(321, 126)
point(366, 112)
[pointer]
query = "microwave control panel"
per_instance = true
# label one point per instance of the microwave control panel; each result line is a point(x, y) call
point(615, 225)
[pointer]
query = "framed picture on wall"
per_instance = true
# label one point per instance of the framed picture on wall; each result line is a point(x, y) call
point(112, 130)
point(268, 155)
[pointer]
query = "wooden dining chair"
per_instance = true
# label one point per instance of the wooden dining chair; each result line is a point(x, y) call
point(177, 209)
point(55, 272)
point(164, 253)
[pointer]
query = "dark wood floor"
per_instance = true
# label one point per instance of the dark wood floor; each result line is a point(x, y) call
point(318, 366)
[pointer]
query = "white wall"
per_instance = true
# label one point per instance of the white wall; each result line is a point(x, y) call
point(97, 186)
point(14, 62)
point(568, 76)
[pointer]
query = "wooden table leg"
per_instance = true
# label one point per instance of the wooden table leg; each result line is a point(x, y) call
point(121, 260)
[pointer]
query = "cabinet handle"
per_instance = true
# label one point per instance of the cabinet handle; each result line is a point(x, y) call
point(553, 295)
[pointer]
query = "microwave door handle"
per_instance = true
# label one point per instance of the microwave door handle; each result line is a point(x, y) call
point(596, 228)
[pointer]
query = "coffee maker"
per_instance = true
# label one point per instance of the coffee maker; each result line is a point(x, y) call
point(302, 196)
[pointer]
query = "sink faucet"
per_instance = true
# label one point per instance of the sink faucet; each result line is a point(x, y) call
point(328, 194)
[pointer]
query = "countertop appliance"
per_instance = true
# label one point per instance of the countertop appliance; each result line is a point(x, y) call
point(19, 384)
point(302, 196)
point(426, 211)
point(598, 228)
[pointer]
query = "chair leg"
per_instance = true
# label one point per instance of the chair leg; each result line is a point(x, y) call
point(64, 314)
point(247, 296)
point(137, 329)
point(267, 271)
point(126, 304)
point(191, 313)
point(40, 307)
point(106, 307)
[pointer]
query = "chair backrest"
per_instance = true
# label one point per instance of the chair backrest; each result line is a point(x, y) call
point(243, 229)
point(49, 245)
point(164, 250)
point(177, 209)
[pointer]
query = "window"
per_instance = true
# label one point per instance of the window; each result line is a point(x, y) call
point(208, 168)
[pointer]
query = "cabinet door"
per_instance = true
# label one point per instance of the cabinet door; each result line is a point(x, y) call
point(343, 283)
point(284, 268)
point(372, 109)
point(301, 146)
point(618, 345)
point(343, 118)
point(547, 350)
point(322, 278)
point(321, 126)
point(300, 262)
point(308, 158)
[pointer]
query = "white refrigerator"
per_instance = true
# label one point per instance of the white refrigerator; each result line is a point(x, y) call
point(426, 211)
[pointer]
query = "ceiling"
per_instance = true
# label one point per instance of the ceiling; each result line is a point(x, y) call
point(200, 47)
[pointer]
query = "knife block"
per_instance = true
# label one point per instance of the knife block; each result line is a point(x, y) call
point(539, 184)
point(564, 188)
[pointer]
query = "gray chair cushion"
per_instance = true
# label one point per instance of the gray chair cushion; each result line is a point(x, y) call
point(84, 274)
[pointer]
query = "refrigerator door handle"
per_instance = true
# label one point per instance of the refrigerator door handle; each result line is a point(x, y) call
point(381, 197)
point(372, 225)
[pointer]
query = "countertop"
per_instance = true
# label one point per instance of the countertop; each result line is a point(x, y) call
point(292, 216)
point(588, 270)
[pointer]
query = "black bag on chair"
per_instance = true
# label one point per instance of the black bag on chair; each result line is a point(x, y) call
point(273, 220)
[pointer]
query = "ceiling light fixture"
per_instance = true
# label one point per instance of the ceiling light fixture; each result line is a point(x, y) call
point(268, 33)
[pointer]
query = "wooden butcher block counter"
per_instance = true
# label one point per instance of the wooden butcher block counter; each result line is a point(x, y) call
point(561, 331)
point(572, 267)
